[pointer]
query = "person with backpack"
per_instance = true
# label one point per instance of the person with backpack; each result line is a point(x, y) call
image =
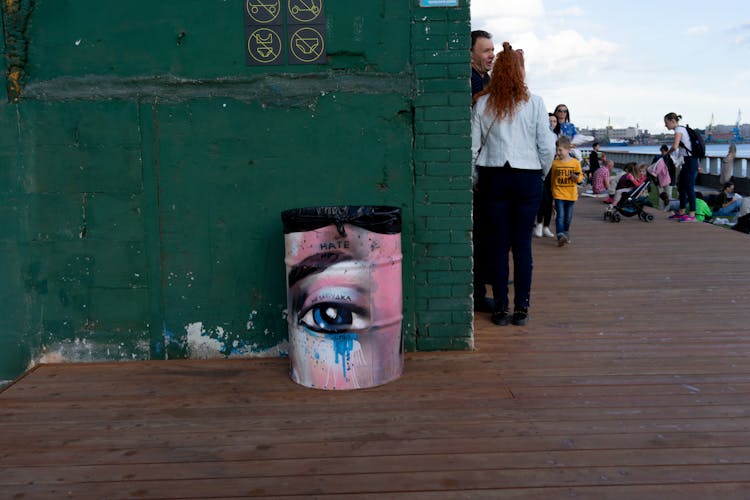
point(689, 150)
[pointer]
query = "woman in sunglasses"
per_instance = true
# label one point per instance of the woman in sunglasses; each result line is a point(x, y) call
point(564, 126)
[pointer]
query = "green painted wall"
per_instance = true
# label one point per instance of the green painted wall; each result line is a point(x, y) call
point(15, 350)
point(145, 165)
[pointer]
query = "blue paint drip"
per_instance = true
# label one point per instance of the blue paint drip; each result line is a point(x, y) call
point(343, 344)
point(162, 345)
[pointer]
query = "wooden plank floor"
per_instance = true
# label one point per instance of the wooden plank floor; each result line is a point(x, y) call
point(632, 380)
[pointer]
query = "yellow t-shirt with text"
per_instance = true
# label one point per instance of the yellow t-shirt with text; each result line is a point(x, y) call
point(563, 186)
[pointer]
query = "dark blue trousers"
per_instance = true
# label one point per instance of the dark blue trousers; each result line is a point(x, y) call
point(686, 183)
point(509, 199)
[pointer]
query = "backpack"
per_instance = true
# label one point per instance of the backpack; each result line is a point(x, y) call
point(696, 140)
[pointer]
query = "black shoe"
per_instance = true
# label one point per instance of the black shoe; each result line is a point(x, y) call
point(484, 304)
point(501, 317)
point(520, 317)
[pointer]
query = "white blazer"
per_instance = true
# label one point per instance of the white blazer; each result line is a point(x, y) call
point(525, 141)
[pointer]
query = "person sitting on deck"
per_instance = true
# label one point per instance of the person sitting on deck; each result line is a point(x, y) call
point(727, 202)
point(703, 212)
point(600, 179)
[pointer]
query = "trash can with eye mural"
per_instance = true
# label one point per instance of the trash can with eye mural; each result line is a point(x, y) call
point(343, 270)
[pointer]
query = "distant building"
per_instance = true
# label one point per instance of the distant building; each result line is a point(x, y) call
point(635, 135)
point(607, 135)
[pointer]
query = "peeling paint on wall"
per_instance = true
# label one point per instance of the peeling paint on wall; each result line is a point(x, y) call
point(200, 343)
point(211, 343)
point(17, 15)
point(252, 351)
point(82, 350)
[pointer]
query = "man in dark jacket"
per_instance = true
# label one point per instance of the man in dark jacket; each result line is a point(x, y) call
point(482, 55)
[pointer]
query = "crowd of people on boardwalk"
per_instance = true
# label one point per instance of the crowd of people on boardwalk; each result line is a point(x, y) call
point(525, 163)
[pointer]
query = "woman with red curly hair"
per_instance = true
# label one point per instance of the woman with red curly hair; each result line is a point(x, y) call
point(512, 150)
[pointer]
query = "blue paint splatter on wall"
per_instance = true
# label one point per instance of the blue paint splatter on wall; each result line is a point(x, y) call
point(343, 344)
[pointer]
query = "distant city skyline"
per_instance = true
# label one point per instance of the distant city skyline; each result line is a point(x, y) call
point(630, 62)
point(720, 127)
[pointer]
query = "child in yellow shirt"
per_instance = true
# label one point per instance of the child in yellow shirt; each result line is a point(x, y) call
point(566, 175)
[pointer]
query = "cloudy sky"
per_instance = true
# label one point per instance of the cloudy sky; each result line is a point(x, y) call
point(630, 61)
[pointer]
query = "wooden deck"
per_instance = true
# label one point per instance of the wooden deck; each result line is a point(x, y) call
point(631, 380)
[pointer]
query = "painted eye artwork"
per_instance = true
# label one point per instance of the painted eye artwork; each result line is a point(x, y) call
point(344, 300)
point(334, 318)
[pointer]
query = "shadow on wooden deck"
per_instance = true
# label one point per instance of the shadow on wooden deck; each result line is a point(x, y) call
point(631, 380)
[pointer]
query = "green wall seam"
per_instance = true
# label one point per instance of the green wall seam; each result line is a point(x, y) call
point(277, 89)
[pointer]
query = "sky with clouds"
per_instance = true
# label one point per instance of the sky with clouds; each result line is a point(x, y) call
point(630, 62)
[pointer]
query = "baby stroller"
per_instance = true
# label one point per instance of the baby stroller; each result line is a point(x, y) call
point(631, 204)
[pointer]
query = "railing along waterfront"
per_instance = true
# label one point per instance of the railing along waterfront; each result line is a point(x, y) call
point(709, 165)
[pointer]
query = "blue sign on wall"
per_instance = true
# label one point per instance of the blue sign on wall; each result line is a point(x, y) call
point(438, 3)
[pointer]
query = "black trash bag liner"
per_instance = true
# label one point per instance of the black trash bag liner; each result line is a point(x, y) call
point(378, 219)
